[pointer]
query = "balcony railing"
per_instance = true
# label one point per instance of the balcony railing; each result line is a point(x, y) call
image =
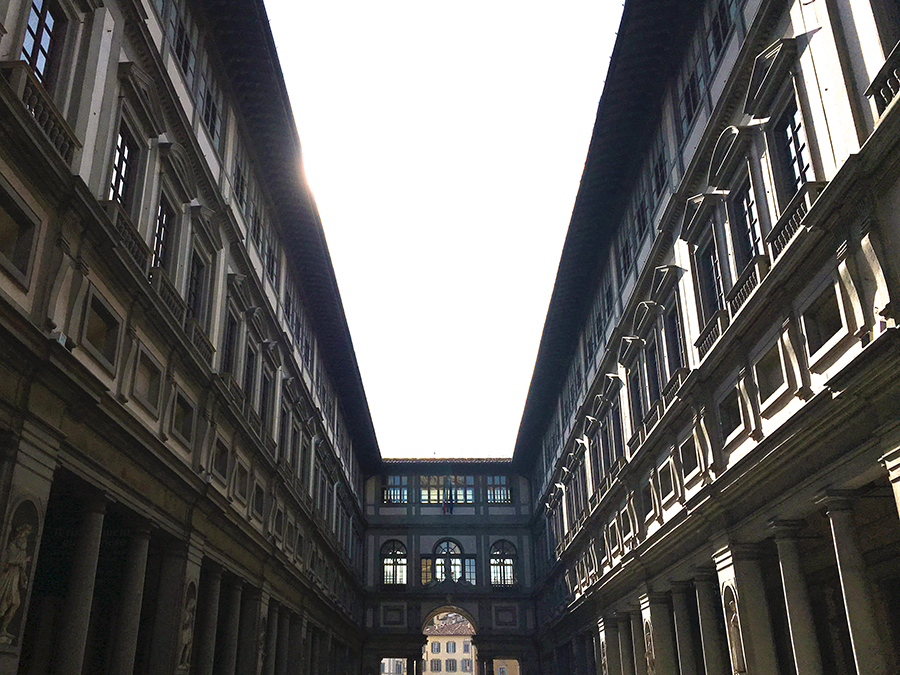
point(886, 84)
point(197, 336)
point(161, 283)
point(712, 332)
point(128, 236)
point(37, 101)
point(792, 218)
point(749, 279)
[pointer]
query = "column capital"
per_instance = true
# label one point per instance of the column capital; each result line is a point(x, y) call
point(785, 528)
point(654, 598)
point(730, 552)
point(836, 500)
point(681, 587)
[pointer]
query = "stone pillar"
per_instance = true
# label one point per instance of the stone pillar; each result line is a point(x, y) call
point(712, 638)
point(891, 462)
point(76, 614)
point(579, 656)
point(227, 659)
point(249, 638)
point(591, 645)
point(609, 660)
point(748, 624)
point(167, 622)
point(684, 636)
point(639, 653)
point(807, 658)
point(868, 650)
point(281, 649)
point(659, 646)
point(132, 596)
point(271, 639)
point(295, 646)
point(626, 645)
point(410, 665)
point(207, 620)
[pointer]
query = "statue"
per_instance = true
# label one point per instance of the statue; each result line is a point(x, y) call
point(648, 649)
point(735, 642)
point(187, 631)
point(13, 579)
point(604, 659)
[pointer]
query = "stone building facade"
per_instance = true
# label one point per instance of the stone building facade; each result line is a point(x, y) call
point(705, 478)
point(711, 431)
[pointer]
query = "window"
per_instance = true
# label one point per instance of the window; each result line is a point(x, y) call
point(265, 399)
point(651, 363)
point(123, 168)
point(197, 288)
point(436, 663)
point(450, 664)
point(435, 647)
point(393, 561)
point(635, 397)
point(184, 38)
point(498, 490)
point(183, 419)
point(467, 646)
point(101, 331)
point(229, 343)
point(220, 460)
point(249, 370)
point(688, 454)
point(709, 279)
point(503, 564)
point(430, 492)
point(42, 37)
point(719, 22)
point(822, 320)
point(466, 665)
point(242, 477)
point(745, 230)
point(791, 153)
point(147, 383)
point(17, 230)
point(394, 490)
point(769, 373)
point(730, 414)
point(647, 499)
point(163, 234)
point(451, 647)
point(259, 499)
point(674, 339)
point(666, 480)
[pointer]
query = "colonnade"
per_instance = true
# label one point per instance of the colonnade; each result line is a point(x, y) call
point(726, 618)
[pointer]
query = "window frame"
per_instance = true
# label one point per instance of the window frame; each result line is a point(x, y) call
point(391, 559)
point(26, 219)
point(95, 350)
point(150, 406)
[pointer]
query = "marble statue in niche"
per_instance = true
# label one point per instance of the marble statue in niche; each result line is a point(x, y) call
point(187, 626)
point(648, 649)
point(13, 578)
point(735, 640)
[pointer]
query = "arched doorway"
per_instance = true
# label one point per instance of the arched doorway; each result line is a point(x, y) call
point(449, 647)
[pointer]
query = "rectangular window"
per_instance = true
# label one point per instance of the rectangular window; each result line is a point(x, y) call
point(184, 37)
point(769, 373)
point(822, 320)
point(394, 490)
point(259, 501)
point(220, 460)
point(229, 343)
point(183, 419)
point(450, 664)
point(42, 34)
point(435, 664)
point(162, 235)
point(467, 647)
point(123, 168)
point(730, 413)
point(792, 153)
point(147, 381)
point(745, 225)
point(451, 647)
point(427, 570)
point(469, 569)
point(498, 490)
point(673, 336)
point(249, 371)
point(435, 647)
point(710, 279)
point(17, 230)
point(101, 331)
point(463, 489)
point(651, 363)
point(431, 489)
point(197, 283)
point(242, 476)
point(688, 454)
point(635, 397)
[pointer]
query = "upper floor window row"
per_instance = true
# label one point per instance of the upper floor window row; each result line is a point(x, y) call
point(446, 491)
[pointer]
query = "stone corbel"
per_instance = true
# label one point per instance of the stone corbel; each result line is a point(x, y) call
point(875, 274)
point(797, 360)
point(125, 376)
point(711, 463)
point(747, 390)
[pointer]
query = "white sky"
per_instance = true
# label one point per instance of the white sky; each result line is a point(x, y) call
point(444, 143)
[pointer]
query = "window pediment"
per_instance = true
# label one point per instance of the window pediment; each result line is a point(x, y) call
point(140, 91)
point(644, 317)
point(768, 75)
point(729, 151)
point(629, 348)
point(699, 211)
point(664, 279)
point(177, 165)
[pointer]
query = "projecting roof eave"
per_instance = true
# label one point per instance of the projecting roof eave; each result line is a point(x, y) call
point(247, 49)
point(651, 36)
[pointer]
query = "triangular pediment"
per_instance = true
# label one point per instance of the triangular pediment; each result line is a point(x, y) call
point(729, 152)
point(768, 75)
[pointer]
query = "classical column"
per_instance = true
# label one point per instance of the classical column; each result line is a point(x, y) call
point(166, 629)
point(295, 646)
point(684, 636)
point(76, 614)
point(130, 600)
point(750, 640)
point(207, 620)
point(227, 660)
point(281, 649)
point(580, 658)
point(609, 659)
point(637, 642)
point(868, 650)
point(271, 639)
point(659, 647)
point(807, 658)
point(626, 645)
point(712, 638)
point(249, 638)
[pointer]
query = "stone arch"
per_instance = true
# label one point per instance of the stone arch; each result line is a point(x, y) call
point(445, 609)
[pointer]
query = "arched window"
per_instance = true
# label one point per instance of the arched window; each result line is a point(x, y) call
point(503, 564)
point(447, 561)
point(393, 560)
